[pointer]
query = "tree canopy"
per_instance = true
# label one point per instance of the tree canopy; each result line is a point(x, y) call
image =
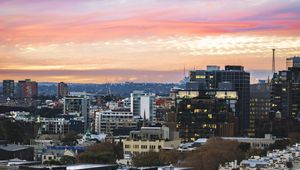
point(103, 153)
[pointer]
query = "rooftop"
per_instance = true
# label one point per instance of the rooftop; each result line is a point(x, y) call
point(88, 166)
point(13, 147)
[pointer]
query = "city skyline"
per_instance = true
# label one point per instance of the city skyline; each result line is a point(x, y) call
point(143, 41)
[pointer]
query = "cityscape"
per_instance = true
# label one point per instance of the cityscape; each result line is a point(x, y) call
point(149, 85)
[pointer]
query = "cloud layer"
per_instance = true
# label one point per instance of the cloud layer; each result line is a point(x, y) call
point(80, 41)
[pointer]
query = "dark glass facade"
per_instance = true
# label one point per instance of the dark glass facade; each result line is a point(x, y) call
point(205, 113)
point(232, 78)
point(285, 95)
point(260, 103)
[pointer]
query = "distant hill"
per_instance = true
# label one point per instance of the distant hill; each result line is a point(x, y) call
point(122, 89)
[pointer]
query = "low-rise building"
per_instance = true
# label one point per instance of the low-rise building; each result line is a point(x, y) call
point(149, 139)
point(260, 143)
point(57, 155)
point(288, 158)
point(54, 125)
point(12, 151)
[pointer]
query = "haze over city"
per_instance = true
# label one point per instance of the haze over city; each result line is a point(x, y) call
point(143, 41)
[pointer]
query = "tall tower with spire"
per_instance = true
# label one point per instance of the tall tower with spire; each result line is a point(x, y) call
point(273, 61)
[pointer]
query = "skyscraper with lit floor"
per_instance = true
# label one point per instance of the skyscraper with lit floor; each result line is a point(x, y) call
point(285, 94)
point(233, 78)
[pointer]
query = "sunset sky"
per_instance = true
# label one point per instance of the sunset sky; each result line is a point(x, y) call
point(98, 41)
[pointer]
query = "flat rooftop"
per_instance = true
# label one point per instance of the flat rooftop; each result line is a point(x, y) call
point(13, 147)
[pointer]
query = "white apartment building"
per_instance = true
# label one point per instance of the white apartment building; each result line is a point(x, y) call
point(143, 104)
point(108, 120)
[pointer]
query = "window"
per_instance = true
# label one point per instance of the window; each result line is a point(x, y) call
point(136, 146)
point(200, 77)
point(196, 110)
point(152, 146)
point(209, 116)
point(127, 146)
point(144, 146)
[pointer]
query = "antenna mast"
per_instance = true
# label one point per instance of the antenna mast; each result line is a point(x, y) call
point(273, 61)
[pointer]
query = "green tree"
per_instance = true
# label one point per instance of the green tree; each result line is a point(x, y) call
point(280, 144)
point(101, 153)
point(16, 132)
point(170, 157)
point(70, 138)
point(67, 160)
point(294, 137)
point(52, 162)
point(216, 151)
point(147, 159)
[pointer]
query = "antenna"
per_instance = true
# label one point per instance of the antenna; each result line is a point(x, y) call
point(273, 61)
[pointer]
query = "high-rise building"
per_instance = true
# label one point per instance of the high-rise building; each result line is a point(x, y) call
point(206, 113)
point(143, 104)
point(285, 93)
point(260, 104)
point(62, 90)
point(78, 106)
point(293, 62)
point(27, 89)
point(8, 88)
point(234, 78)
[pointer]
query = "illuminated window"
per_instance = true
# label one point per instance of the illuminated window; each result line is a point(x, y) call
point(188, 106)
point(209, 116)
point(197, 111)
point(200, 77)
